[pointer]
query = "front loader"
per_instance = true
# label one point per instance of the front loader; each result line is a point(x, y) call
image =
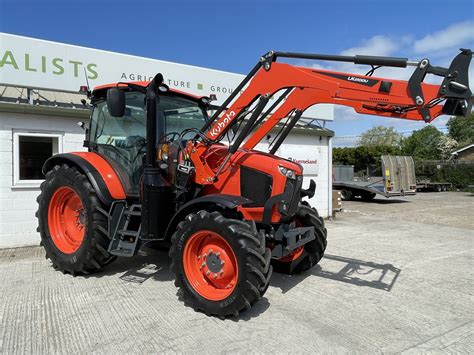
point(157, 170)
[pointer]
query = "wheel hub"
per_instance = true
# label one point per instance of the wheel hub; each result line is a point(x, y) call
point(80, 218)
point(214, 263)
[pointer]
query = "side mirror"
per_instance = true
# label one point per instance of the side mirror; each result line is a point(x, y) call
point(116, 102)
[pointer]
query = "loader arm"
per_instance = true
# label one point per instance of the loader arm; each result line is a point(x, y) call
point(296, 88)
point(413, 99)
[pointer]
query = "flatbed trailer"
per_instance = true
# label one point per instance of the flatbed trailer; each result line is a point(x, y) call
point(398, 180)
point(428, 186)
point(366, 190)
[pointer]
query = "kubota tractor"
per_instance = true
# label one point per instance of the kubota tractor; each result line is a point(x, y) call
point(157, 169)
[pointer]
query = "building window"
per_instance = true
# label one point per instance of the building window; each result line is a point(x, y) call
point(30, 151)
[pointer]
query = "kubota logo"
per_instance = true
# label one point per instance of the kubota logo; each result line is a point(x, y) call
point(218, 127)
point(358, 80)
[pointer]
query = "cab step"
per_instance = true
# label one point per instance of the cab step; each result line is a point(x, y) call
point(126, 228)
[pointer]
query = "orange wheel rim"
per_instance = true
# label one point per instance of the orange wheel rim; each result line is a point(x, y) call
point(210, 265)
point(295, 254)
point(66, 220)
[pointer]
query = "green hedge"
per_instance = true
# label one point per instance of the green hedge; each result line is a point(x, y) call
point(460, 175)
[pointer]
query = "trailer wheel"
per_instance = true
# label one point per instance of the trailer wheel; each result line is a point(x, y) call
point(346, 195)
point(221, 265)
point(72, 222)
point(439, 188)
point(310, 254)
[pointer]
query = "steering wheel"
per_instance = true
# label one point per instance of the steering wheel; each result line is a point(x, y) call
point(137, 141)
point(173, 137)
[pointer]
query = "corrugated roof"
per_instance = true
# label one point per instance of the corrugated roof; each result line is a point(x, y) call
point(26, 96)
point(463, 149)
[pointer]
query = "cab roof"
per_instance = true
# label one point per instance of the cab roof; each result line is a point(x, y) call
point(104, 88)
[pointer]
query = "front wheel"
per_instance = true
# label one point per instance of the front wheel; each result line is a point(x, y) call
point(307, 256)
point(221, 265)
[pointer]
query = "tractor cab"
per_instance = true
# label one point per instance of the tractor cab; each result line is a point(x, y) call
point(121, 140)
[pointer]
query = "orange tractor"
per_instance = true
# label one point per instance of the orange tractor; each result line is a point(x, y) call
point(157, 169)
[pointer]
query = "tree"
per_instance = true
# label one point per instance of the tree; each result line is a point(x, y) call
point(423, 144)
point(462, 129)
point(343, 156)
point(380, 136)
point(446, 145)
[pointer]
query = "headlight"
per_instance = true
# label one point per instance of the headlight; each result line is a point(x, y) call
point(287, 172)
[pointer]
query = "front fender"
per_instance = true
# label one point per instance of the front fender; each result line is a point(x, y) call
point(222, 200)
point(101, 175)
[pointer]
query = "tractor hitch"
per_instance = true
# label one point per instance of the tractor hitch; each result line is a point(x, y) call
point(288, 239)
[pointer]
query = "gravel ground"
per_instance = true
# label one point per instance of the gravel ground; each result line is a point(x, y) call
point(383, 286)
point(442, 208)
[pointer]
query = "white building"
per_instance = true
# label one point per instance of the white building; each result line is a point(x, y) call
point(40, 107)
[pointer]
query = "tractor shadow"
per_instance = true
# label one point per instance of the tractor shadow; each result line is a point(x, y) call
point(347, 270)
point(148, 264)
point(154, 264)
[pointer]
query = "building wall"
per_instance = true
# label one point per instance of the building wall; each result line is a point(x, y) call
point(18, 204)
point(310, 148)
point(466, 155)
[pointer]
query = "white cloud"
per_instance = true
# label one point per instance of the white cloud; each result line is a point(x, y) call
point(345, 115)
point(452, 36)
point(439, 46)
point(377, 45)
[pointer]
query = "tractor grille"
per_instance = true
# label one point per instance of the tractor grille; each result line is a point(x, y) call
point(255, 185)
point(295, 199)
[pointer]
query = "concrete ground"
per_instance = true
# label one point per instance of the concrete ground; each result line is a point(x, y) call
point(397, 277)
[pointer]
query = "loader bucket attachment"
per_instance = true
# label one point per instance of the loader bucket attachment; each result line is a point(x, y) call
point(455, 86)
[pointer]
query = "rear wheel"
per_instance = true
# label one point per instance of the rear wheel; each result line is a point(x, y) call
point(346, 195)
point(307, 256)
point(72, 222)
point(221, 265)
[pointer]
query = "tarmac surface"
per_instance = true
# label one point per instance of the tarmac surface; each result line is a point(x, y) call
point(397, 277)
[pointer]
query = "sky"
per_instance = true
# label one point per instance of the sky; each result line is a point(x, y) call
point(231, 35)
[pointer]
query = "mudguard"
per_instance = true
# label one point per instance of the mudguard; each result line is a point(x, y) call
point(223, 200)
point(101, 175)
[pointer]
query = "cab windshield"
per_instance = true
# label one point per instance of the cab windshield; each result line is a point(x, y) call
point(122, 140)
